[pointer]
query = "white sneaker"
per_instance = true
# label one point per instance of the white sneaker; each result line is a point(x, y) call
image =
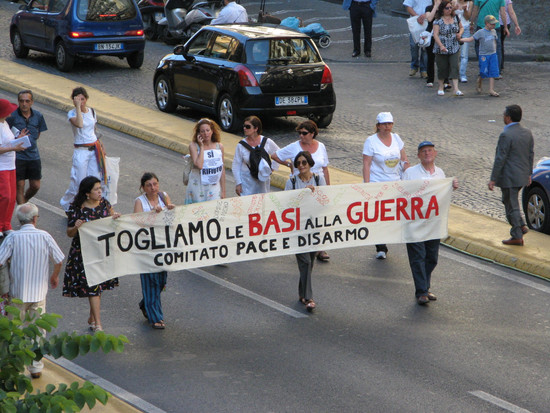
point(429, 84)
point(380, 255)
point(463, 80)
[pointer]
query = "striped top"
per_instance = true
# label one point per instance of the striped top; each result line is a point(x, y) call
point(30, 250)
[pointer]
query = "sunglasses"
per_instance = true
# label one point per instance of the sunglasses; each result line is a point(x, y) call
point(247, 126)
point(303, 133)
point(448, 8)
point(302, 163)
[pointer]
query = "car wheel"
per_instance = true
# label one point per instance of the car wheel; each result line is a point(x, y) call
point(227, 114)
point(63, 59)
point(135, 60)
point(322, 121)
point(537, 210)
point(324, 41)
point(19, 48)
point(164, 95)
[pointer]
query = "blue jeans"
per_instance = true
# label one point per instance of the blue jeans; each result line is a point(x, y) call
point(423, 260)
point(416, 62)
point(463, 59)
point(499, 49)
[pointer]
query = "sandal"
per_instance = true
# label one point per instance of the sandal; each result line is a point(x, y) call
point(323, 256)
point(159, 325)
point(97, 327)
point(478, 85)
point(310, 306)
point(494, 94)
point(91, 325)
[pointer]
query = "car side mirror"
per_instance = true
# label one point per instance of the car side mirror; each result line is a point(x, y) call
point(179, 50)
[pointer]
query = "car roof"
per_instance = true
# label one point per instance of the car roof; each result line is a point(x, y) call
point(256, 31)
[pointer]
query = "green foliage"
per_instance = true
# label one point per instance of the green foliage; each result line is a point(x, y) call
point(22, 341)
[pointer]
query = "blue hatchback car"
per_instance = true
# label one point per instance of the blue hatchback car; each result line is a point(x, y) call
point(67, 28)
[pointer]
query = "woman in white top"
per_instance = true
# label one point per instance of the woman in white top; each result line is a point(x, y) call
point(88, 156)
point(207, 178)
point(152, 284)
point(308, 132)
point(384, 159)
point(306, 178)
point(463, 9)
point(8, 187)
point(245, 183)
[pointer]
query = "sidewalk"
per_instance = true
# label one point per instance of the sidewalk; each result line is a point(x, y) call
point(470, 232)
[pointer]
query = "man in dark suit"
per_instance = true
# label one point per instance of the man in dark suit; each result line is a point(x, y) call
point(512, 169)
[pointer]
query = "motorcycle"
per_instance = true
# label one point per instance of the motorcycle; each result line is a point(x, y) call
point(183, 19)
point(152, 11)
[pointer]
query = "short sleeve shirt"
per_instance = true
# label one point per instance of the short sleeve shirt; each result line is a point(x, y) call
point(491, 7)
point(447, 35)
point(487, 41)
point(418, 172)
point(385, 164)
point(7, 159)
point(320, 156)
point(419, 6)
point(35, 124)
point(85, 134)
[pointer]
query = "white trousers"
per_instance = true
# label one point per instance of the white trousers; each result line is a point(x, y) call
point(32, 308)
point(84, 164)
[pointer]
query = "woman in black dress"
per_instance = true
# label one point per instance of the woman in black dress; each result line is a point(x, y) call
point(88, 205)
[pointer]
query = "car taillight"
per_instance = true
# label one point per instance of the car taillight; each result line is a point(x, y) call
point(79, 35)
point(246, 78)
point(134, 33)
point(327, 76)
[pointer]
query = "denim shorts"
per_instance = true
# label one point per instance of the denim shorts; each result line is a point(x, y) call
point(488, 66)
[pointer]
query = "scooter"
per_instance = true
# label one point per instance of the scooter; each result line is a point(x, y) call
point(152, 11)
point(183, 19)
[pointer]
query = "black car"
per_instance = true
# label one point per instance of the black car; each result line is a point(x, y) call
point(536, 205)
point(233, 71)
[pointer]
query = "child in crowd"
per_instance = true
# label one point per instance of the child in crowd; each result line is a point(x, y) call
point(488, 59)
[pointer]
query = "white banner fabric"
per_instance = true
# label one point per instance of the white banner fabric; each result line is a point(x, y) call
point(265, 225)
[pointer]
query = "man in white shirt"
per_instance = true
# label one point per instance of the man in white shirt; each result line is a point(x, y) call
point(231, 13)
point(423, 255)
point(418, 8)
point(30, 250)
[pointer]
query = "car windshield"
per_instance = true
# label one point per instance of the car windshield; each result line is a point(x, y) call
point(281, 51)
point(106, 10)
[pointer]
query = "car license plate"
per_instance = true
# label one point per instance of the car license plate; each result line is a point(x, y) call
point(108, 46)
point(290, 100)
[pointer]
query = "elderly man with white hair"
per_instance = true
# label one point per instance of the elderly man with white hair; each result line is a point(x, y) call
point(29, 250)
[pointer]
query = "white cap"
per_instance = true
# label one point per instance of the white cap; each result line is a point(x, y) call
point(384, 117)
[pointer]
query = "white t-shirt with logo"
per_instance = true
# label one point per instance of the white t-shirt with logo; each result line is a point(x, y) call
point(385, 164)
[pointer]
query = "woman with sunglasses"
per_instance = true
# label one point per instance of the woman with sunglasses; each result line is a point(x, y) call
point(308, 132)
point(207, 177)
point(245, 183)
point(384, 159)
point(447, 30)
point(303, 163)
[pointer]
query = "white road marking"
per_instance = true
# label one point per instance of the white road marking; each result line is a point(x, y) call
point(494, 270)
point(51, 208)
point(290, 11)
point(498, 402)
point(247, 293)
point(374, 39)
point(107, 385)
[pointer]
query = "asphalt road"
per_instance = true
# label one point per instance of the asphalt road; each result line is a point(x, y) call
point(238, 341)
point(465, 130)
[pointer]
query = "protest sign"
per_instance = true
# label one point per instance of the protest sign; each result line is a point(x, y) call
point(265, 225)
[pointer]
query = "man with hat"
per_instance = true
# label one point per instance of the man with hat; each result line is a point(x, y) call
point(8, 187)
point(423, 255)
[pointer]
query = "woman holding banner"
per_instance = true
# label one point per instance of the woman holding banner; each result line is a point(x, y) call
point(384, 159)
point(88, 156)
point(308, 131)
point(88, 205)
point(305, 179)
point(152, 284)
point(207, 178)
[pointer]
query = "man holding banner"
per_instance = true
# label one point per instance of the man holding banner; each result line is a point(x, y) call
point(423, 255)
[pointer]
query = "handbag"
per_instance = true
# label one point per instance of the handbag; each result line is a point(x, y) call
point(425, 39)
point(112, 164)
point(187, 166)
point(415, 28)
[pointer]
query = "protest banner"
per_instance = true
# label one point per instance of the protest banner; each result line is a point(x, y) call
point(265, 225)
